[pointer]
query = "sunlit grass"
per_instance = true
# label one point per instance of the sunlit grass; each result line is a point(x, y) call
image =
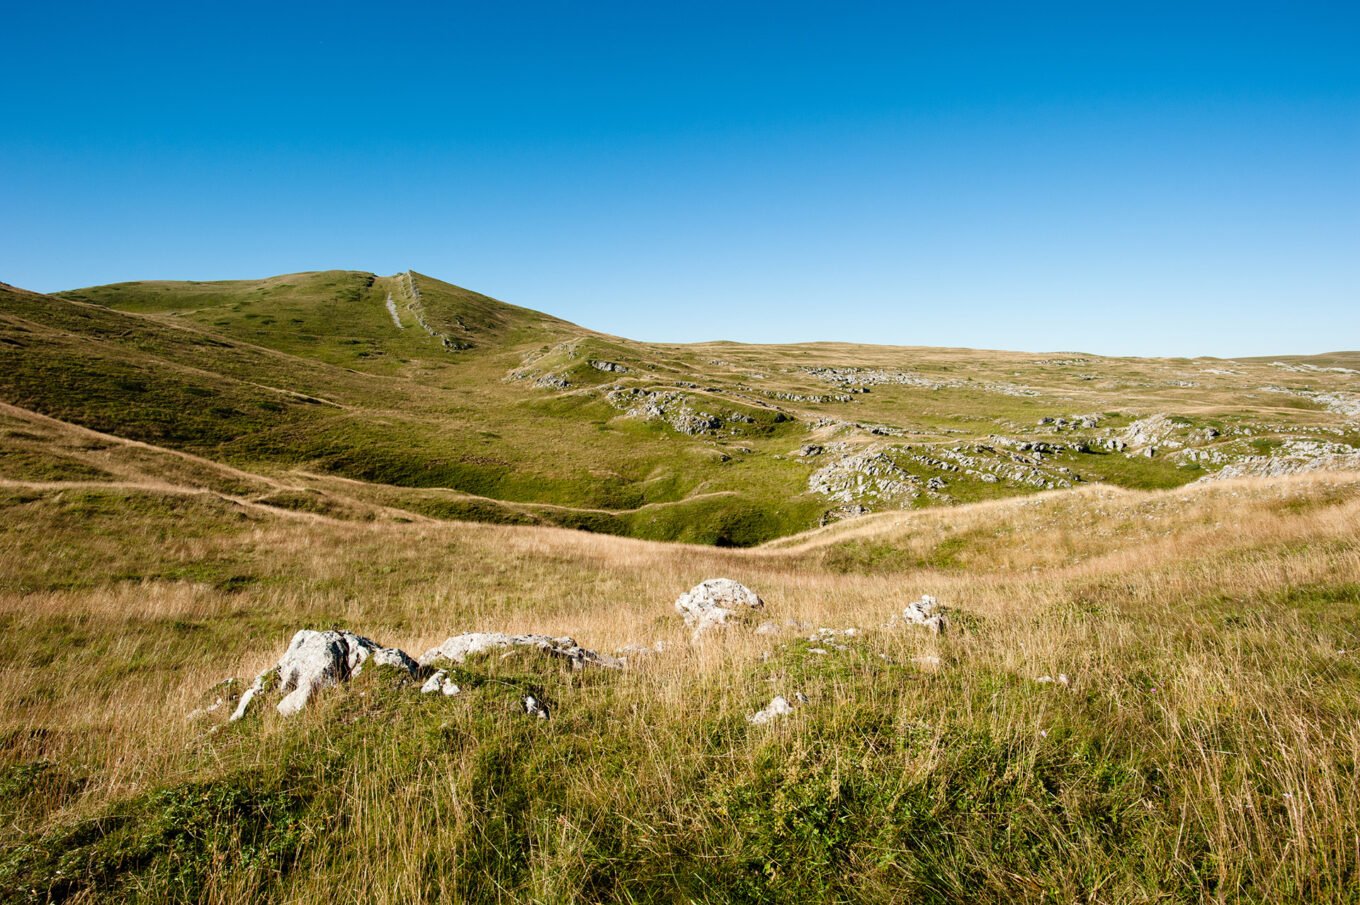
point(1204, 750)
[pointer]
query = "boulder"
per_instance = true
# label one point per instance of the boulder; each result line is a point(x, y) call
point(317, 660)
point(925, 612)
point(714, 602)
point(459, 647)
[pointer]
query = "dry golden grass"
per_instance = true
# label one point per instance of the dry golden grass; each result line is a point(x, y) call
point(1205, 751)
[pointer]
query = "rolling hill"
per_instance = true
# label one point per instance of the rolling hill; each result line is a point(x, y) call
point(1146, 688)
point(408, 397)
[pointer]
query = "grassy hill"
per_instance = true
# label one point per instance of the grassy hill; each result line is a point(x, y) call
point(1148, 689)
point(409, 395)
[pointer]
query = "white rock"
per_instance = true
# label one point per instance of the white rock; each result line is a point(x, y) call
point(712, 603)
point(459, 647)
point(317, 660)
point(439, 683)
point(534, 707)
point(249, 695)
point(777, 707)
point(391, 656)
point(925, 612)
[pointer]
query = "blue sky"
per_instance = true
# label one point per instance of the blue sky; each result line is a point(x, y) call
point(1149, 179)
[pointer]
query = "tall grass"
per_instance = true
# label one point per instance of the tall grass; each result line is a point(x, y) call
point(1205, 749)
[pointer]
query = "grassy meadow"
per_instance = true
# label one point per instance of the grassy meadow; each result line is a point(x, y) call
point(192, 472)
point(452, 405)
point(1204, 750)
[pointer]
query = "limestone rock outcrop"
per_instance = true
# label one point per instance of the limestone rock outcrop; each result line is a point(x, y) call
point(316, 660)
point(713, 603)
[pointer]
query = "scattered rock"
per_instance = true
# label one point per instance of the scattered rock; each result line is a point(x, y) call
point(778, 706)
point(228, 691)
point(552, 381)
point(459, 647)
point(675, 409)
point(610, 366)
point(1293, 457)
point(639, 650)
point(870, 475)
point(714, 602)
point(832, 638)
point(439, 683)
point(534, 707)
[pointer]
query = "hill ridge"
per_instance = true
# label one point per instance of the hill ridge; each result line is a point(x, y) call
point(485, 410)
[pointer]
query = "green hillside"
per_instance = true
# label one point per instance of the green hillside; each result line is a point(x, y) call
point(407, 393)
point(1138, 695)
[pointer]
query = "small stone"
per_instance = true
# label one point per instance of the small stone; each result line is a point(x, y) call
point(534, 707)
point(439, 683)
point(778, 706)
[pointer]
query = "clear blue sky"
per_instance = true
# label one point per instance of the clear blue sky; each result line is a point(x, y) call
point(1140, 179)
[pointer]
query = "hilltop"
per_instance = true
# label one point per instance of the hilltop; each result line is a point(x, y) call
point(409, 397)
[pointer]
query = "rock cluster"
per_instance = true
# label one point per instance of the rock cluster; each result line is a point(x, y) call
point(859, 378)
point(438, 683)
point(1073, 422)
point(877, 477)
point(674, 409)
point(868, 477)
point(1292, 457)
point(316, 660)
